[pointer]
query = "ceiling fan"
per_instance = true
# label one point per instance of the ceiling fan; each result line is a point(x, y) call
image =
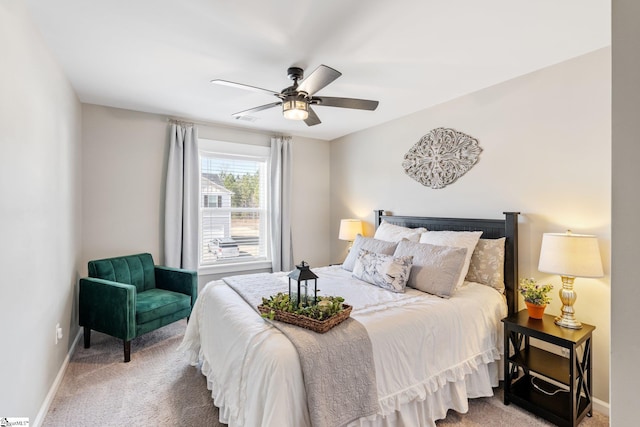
point(297, 99)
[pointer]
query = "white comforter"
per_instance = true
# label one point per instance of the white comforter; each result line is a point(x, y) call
point(430, 354)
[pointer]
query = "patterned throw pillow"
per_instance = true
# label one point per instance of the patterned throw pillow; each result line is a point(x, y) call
point(487, 264)
point(370, 244)
point(382, 270)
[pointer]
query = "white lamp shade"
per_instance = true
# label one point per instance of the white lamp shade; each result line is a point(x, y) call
point(567, 254)
point(349, 229)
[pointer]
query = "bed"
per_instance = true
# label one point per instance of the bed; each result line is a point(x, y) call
point(430, 354)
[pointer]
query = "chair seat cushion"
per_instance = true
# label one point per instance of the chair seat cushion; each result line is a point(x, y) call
point(156, 303)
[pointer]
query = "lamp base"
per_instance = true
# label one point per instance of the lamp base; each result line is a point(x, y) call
point(567, 322)
point(568, 297)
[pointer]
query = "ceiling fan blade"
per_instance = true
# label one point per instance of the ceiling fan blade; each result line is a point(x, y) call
point(358, 104)
point(320, 78)
point(256, 109)
point(313, 118)
point(245, 87)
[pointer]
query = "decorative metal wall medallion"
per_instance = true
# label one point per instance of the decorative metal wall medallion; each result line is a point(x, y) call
point(440, 157)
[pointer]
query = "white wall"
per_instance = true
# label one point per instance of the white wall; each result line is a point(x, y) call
point(546, 153)
point(124, 160)
point(40, 214)
point(625, 287)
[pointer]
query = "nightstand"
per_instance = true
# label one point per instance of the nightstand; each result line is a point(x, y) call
point(551, 386)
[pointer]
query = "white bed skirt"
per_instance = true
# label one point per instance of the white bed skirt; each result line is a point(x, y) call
point(434, 406)
point(423, 411)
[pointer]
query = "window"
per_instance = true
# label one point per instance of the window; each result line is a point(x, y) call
point(212, 201)
point(233, 208)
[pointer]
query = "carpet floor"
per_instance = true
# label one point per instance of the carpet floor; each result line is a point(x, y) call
point(159, 388)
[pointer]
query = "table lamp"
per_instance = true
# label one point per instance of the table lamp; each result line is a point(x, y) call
point(349, 229)
point(570, 255)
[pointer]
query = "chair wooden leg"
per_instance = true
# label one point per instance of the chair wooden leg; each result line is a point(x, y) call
point(87, 337)
point(127, 351)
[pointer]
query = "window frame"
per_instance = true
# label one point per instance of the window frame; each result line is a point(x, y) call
point(211, 148)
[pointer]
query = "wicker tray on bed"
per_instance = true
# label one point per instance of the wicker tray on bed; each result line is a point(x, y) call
point(320, 326)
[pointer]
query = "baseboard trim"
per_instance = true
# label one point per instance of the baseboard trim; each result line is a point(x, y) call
point(601, 407)
point(42, 413)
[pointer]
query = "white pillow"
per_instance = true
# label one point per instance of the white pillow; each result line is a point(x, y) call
point(370, 244)
point(384, 271)
point(458, 239)
point(394, 233)
point(436, 269)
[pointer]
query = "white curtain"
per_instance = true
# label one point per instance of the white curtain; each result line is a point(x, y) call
point(181, 200)
point(280, 203)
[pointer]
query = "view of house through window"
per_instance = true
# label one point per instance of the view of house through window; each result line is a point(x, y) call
point(233, 200)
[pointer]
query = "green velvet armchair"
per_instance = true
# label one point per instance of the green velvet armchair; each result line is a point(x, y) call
point(128, 296)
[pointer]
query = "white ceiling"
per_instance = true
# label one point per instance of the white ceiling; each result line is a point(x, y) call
point(159, 56)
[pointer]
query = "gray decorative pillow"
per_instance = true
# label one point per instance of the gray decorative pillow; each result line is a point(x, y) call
point(458, 239)
point(395, 233)
point(385, 271)
point(435, 269)
point(487, 264)
point(370, 244)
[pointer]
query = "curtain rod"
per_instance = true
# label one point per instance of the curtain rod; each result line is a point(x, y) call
point(180, 122)
point(223, 125)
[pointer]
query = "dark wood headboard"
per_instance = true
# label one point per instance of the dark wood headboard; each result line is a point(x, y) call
point(491, 229)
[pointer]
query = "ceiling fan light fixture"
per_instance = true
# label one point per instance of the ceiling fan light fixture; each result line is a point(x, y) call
point(294, 108)
point(297, 98)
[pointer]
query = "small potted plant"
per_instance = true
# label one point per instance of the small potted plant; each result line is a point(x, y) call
point(535, 296)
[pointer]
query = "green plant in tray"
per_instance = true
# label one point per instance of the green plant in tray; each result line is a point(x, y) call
point(326, 307)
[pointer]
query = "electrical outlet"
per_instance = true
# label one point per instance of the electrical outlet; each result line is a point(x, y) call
point(58, 332)
point(565, 352)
